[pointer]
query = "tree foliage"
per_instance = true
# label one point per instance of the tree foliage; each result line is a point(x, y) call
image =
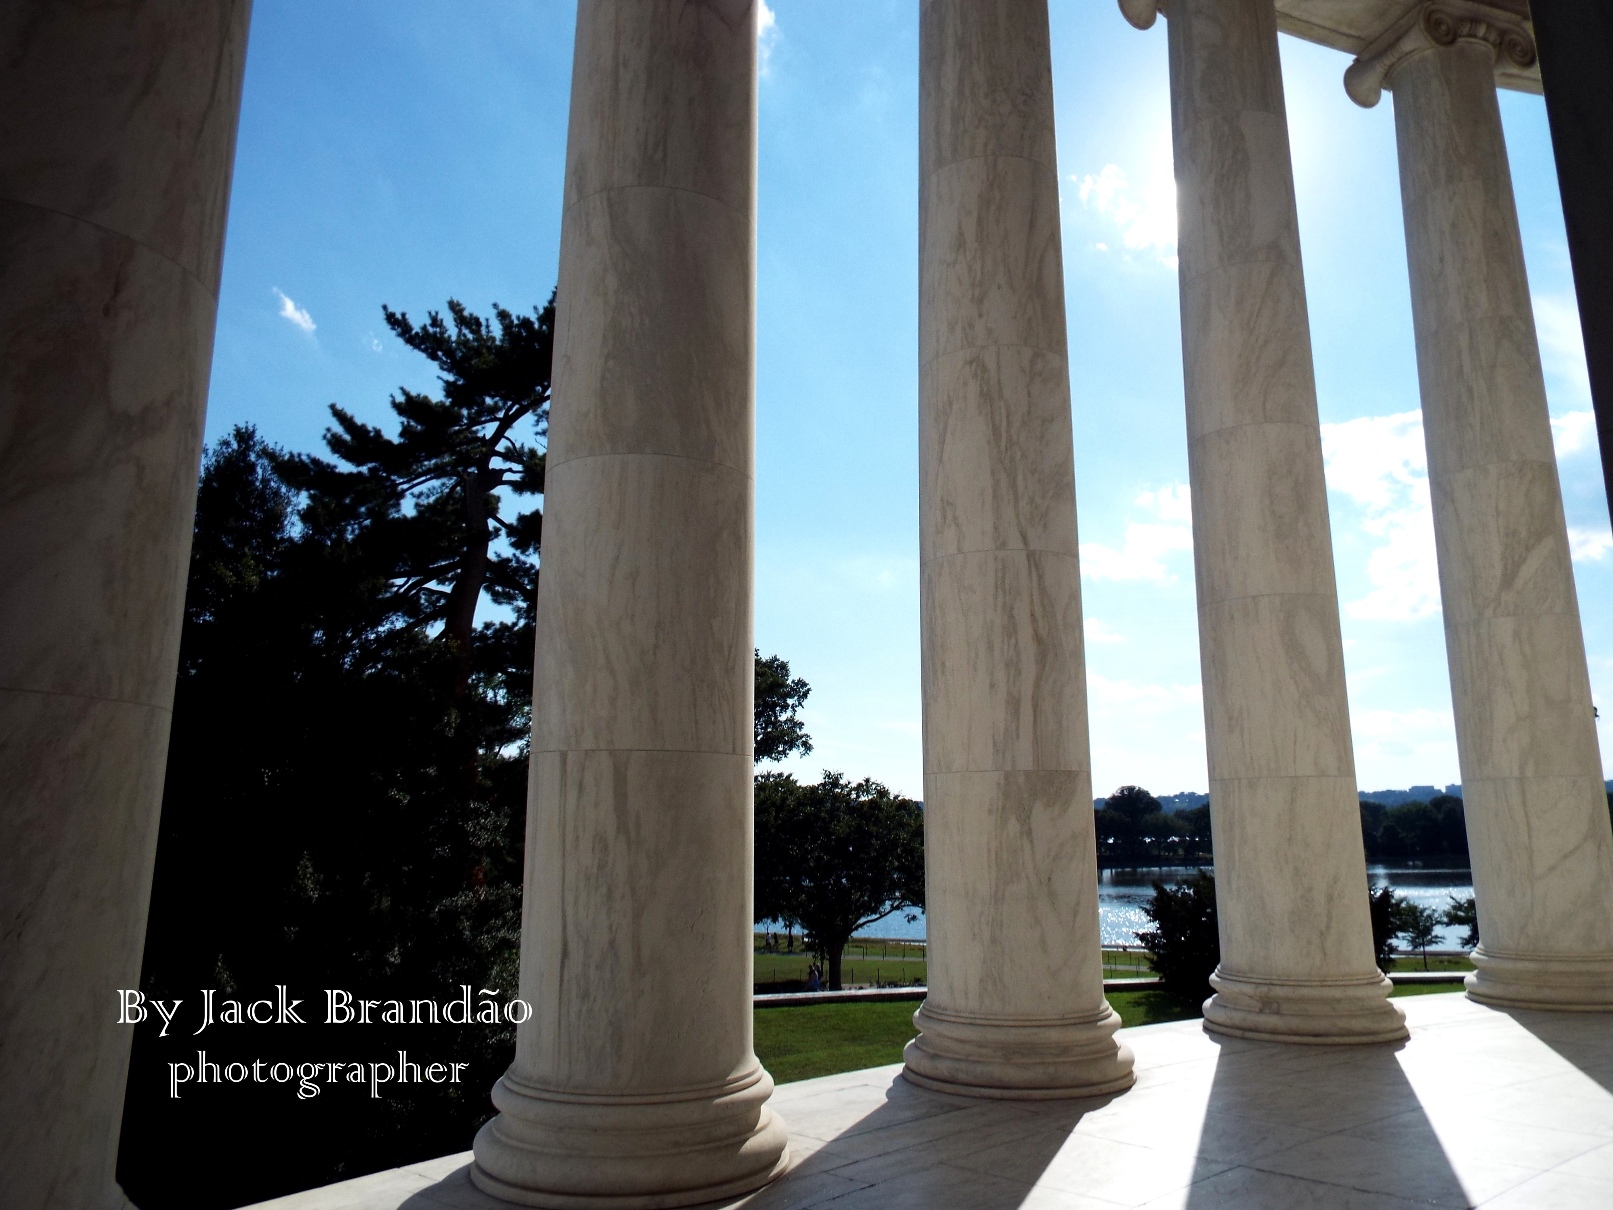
point(779, 731)
point(1185, 940)
point(834, 857)
point(1415, 831)
point(422, 510)
point(1132, 829)
point(1132, 803)
point(1397, 917)
point(345, 795)
point(1386, 909)
point(1419, 926)
point(1463, 913)
point(346, 784)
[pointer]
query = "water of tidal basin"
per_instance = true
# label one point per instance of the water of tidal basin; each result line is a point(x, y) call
point(1122, 894)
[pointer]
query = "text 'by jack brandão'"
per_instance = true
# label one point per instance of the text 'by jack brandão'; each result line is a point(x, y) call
point(341, 1007)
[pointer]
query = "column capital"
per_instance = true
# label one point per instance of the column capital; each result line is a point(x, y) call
point(1142, 13)
point(1432, 25)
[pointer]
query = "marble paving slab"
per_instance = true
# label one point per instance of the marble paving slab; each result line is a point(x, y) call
point(1480, 1108)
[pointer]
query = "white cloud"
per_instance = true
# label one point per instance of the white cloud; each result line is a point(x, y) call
point(1147, 543)
point(1402, 724)
point(1573, 431)
point(1143, 733)
point(1404, 748)
point(1099, 631)
point(1380, 463)
point(767, 36)
point(297, 315)
point(1588, 545)
point(1144, 219)
point(1173, 503)
point(1141, 698)
point(375, 343)
point(1562, 343)
point(1376, 460)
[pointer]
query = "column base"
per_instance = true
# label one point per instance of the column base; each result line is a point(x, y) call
point(572, 1150)
point(1548, 981)
point(1018, 1060)
point(1335, 1013)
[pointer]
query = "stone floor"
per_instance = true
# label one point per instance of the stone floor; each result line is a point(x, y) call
point(1480, 1108)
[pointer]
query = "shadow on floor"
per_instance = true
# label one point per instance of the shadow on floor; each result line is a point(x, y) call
point(895, 1156)
point(904, 1152)
point(1258, 1126)
point(1289, 1125)
point(1516, 1108)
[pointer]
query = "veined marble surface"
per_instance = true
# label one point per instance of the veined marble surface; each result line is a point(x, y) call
point(1296, 943)
point(117, 138)
point(635, 1079)
point(1526, 736)
point(1016, 979)
point(1509, 1111)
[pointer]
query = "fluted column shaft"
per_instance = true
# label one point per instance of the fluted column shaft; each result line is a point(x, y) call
point(635, 1082)
point(1015, 1004)
point(117, 137)
point(1536, 809)
point(1296, 940)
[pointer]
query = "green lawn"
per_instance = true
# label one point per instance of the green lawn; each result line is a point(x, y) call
point(866, 963)
point(1127, 964)
point(1152, 1008)
point(824, 1039)
point(1436, 962)
point(901, 964)
point(854, 971)
point(1424, 989)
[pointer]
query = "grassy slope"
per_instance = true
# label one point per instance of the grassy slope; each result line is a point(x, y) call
point(1425, 989)
point(1436, 962)
point(823, 1039)
point(882, 963)
point(897, 964)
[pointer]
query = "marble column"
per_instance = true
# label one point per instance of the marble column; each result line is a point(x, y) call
point(1537, 817)
point(635, 1082)
point(117, 138)
point(1015, 1006)
point(1296, 938)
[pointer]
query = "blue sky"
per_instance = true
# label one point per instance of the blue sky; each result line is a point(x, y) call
point(408, 153)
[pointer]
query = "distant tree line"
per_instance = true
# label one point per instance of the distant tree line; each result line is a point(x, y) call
point(1415, 831)
point(1132, 830)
